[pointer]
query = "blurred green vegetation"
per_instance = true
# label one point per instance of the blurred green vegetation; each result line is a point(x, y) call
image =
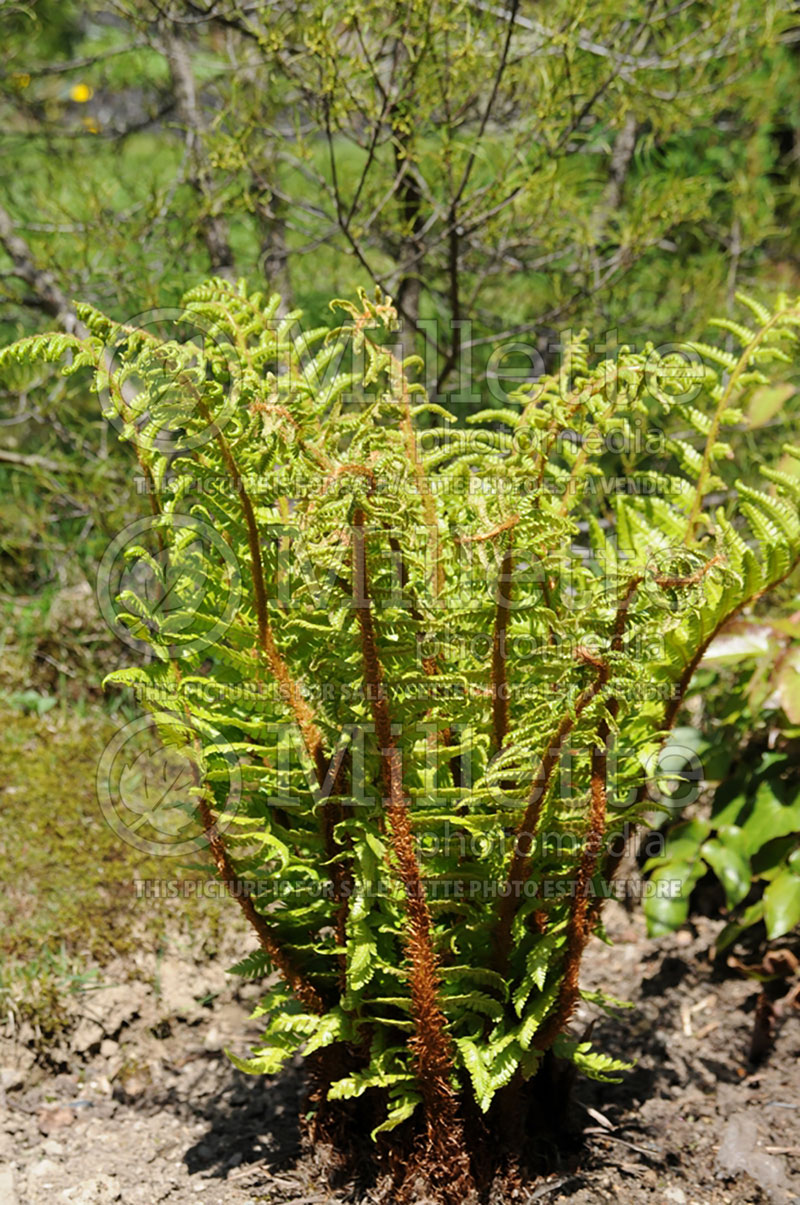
point(502, 173)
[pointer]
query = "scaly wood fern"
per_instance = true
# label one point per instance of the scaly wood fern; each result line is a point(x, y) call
point(453, 658)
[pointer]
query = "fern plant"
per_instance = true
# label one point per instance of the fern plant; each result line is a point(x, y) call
point(453, 660)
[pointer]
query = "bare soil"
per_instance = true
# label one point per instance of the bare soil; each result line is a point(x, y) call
point(140, 1105)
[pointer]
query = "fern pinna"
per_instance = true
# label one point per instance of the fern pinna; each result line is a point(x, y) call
point(456, 653)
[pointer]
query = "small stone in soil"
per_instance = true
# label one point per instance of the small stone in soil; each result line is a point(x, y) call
point(43, 1168)
point(50, 1120)
point(8, 1186)
point(100, 1190)
point(87, 1036)
point(738, 1153)
point(11, 1078)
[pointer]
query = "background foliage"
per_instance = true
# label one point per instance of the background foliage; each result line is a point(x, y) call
point(498, 172)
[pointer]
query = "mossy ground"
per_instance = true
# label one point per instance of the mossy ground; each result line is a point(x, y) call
point(69, 905)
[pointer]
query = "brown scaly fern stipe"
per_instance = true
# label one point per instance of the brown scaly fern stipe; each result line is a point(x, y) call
point(584, 912)
point(305, 991)
point(444, 1162)
point(578, 927)
point(328, 775)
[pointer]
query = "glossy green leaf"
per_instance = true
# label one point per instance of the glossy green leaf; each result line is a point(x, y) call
point(782, 904)
point(729, 864)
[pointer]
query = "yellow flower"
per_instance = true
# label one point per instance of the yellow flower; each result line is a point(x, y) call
point(80, 93)
point(91, 125)
point(21, 79)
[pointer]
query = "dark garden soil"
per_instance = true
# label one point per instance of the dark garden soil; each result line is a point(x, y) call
point(140, 1104)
